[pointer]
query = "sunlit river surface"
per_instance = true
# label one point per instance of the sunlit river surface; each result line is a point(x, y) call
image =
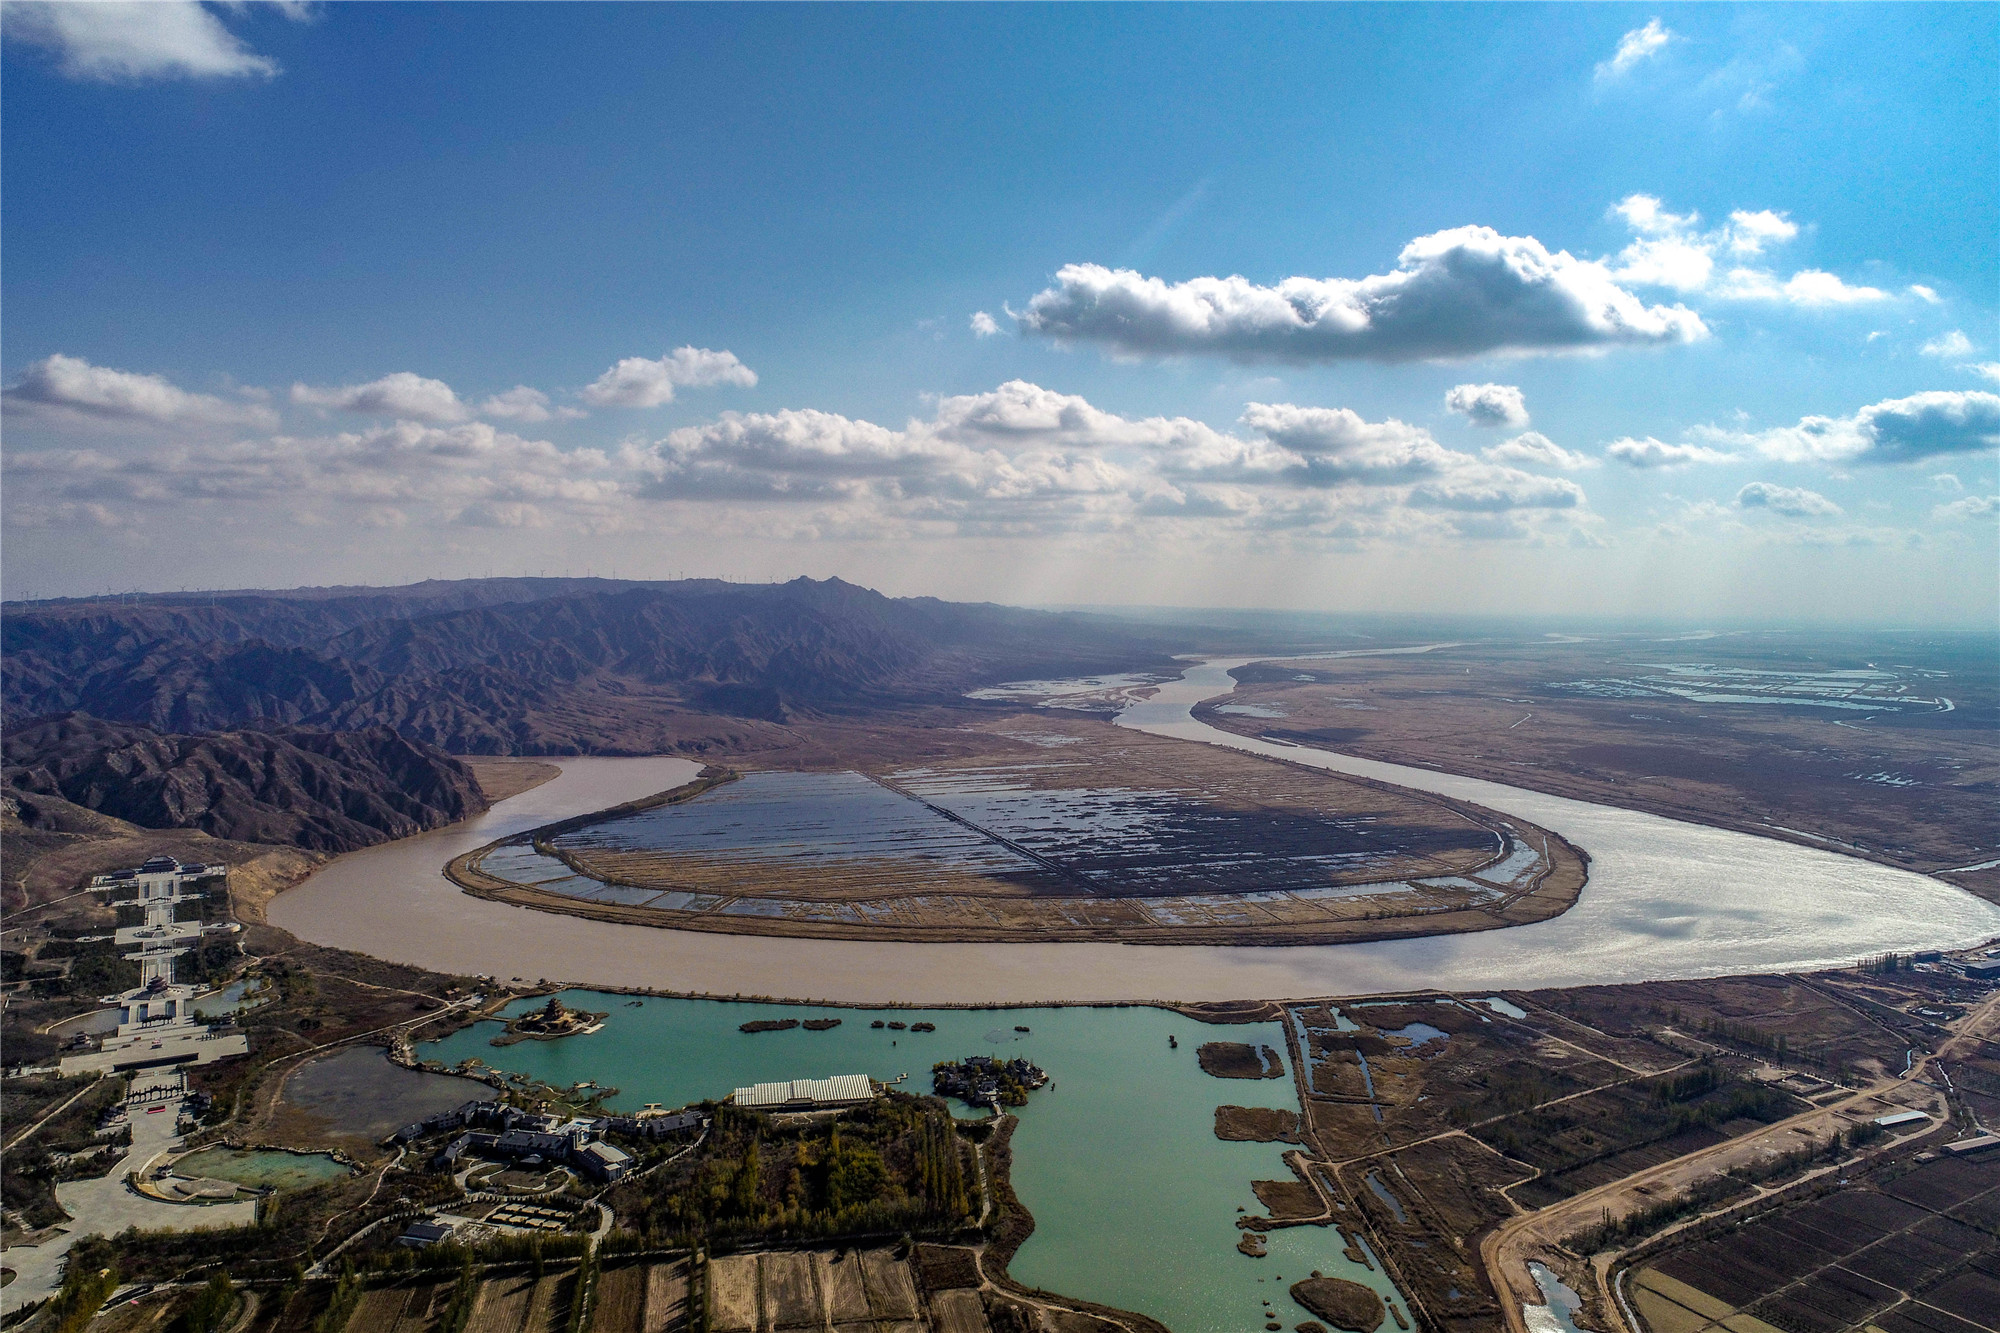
point(1665, 899)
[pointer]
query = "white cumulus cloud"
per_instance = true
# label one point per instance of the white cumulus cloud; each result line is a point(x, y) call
point(403, 472)
point(1648, 216)
point(1671, 250)
point(1534, 449)
point(1488, 405)
point(984, 325)
point(1935, 424)
point(1952, 345)
point(1018, 460)
point(1336, 448)
point(1455, 294)
point(522, 403)
point(1637, 45)
point(1808, 287)
point(1816, 287)
point(1749, 232)
point(111, 41)
point(404, 394)
point(1022, 458)
point(68, 390)
point(1651, 453)
point(638, 382)
point(1972, 507)
point(1791, 502)
point(1683, 263)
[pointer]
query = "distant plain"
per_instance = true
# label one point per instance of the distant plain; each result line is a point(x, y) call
point(1878, 746)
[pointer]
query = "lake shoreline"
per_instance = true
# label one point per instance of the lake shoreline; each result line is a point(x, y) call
point(1217, 1013)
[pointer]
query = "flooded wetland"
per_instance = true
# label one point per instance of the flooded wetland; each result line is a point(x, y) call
point(1095, 834)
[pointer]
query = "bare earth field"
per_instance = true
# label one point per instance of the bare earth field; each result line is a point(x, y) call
point(1881, 746)
point(852, 1290)
point(1908, 1253)
point(1464, 1136)
point(501, 778)
point(1049, 828)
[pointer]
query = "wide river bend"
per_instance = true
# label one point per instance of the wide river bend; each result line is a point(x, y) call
point(1665, 900)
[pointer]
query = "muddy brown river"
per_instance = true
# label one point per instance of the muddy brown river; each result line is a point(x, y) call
point(1665, 900)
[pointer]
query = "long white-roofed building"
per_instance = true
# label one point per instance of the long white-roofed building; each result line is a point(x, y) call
point(807, 1094)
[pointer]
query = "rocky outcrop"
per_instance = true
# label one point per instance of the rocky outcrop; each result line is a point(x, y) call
point(323, 791)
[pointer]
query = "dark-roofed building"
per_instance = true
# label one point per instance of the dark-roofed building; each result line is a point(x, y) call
point(424, 1232)
point(601, 1162)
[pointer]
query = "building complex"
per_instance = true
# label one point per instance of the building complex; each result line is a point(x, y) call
point(157, 1025)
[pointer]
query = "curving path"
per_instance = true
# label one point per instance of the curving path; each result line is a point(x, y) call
point(1665, 900)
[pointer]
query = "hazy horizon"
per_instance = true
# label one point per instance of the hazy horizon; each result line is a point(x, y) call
point(1333, 620)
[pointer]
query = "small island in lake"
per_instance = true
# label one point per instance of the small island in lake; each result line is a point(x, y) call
point(985, 1080)
point(1345, 1305)
point(1256, 1124)
point(1235, 1059)
point(768, 1025)
point(552, 1020)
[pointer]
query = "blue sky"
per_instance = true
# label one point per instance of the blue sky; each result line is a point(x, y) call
point(1726, 274)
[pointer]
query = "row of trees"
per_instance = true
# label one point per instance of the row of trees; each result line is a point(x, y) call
point(85, 1290)
point(897, 1166)
point(1707, 1193)
point(941, 1168)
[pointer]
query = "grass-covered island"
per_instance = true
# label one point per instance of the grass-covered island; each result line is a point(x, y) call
point(1346, 1305)
point(1235, 1059)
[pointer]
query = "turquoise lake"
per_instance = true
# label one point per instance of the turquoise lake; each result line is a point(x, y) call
point(261, 1168)
point(1134, 1197)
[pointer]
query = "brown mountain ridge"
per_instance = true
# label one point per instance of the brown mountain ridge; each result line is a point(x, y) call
point(537, 666)
point(323, 791)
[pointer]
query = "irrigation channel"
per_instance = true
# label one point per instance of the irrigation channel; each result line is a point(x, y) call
point(1665, 900)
